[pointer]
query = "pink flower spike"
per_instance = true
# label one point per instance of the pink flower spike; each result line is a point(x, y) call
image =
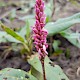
point(42, 8)
point(39, 33)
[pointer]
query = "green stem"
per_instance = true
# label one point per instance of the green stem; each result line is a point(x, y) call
point(27, 48)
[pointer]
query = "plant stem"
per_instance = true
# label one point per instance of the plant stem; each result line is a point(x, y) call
point(43, 68)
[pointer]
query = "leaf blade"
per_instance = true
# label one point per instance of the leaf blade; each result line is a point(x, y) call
point(11, 32)
point(62, 24)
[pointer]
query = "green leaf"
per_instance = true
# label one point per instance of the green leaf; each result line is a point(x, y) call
point(22, 31)
point(56, 44)
point(36, 74)
point(48, 11)
point(15, 36)
point(15, 74)
point(12, 14)
point(36, 68)
point(74, 38)
point(49, 8)
point(28, 31)
point(52, 71)
point(55, 71)
point(4, 37)
point(11, 32)
point(48, 19)
point(35, 62)
point(62, 24)
point(28, 25)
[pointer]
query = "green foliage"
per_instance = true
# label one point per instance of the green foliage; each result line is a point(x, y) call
point(55, 71)
point(74, 38)
point(12, 14)
point(15, 74)
point(36, 69)
point(52, 71)
point(56, 44)
point(18, 37)
point(11, 32)
point(28, 31)
point(63, 24)
point(4, 37)
point(49, 10)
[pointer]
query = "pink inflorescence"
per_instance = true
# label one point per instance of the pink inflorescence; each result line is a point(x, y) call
point(40, 33)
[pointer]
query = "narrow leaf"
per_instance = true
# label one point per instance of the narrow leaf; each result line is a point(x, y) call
point(11, 32)
point(36, 69)
point(62, 24)
point(74, 38)
point(28, 31)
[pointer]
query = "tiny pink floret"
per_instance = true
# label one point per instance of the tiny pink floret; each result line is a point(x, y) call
point(39, 32)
